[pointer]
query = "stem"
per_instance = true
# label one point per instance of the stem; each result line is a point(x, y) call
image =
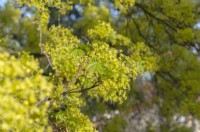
point(42, 46)
point(58, 18)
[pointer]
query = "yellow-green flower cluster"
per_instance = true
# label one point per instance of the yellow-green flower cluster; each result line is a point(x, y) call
point(143, 58)
point(102, 31)
point(21, 87)
point(113, 73)
point(83, 65)
point(96, 64)
point(68, 115)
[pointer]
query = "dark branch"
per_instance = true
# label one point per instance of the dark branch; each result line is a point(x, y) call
point(154, 17)
point(142, 35)
point(83, 90)
point(36, 55)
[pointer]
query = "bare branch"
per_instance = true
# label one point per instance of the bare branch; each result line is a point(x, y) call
point(42, 47)
point(43, 101)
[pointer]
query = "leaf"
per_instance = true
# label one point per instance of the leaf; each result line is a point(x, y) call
point(85, 47)
point(77, 52)
point(95, 67)
point(89, 82)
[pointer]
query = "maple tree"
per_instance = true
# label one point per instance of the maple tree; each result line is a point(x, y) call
point(96, 55)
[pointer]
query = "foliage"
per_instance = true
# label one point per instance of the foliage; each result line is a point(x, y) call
point(124, 5)
point(183, 85)
point(96, 57)
point(118, 125)
point(21, 87)
point(14, 30)
point(82, 67)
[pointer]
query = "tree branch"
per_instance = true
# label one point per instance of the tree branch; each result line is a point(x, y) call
point(83, 90)
point(42, 46)
point(140, 33)
point(154, 17)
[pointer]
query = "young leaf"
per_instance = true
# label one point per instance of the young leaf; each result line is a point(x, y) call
point(95, 67)
point(77, 52)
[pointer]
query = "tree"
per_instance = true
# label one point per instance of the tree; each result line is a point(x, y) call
point(97, 55)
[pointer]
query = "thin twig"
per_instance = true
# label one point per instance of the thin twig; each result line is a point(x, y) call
point(43, 101)
point(83, 90)
point(42, 46)
point(58, 18)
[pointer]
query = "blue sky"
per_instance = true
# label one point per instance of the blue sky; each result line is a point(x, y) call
point(2, 2)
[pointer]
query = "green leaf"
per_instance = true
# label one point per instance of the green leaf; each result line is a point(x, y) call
point(95, 67)
point(89, 82)
point(85, 47)
point(77, 52)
